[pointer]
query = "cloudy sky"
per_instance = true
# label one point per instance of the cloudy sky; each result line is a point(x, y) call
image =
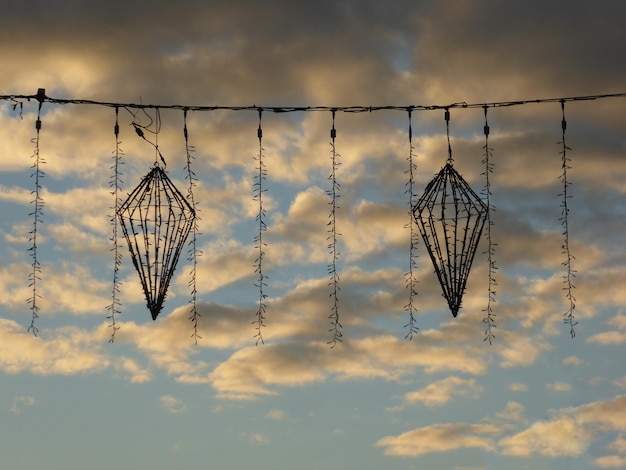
point(535, 398)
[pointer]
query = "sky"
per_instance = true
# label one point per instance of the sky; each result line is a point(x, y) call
point(446, 398)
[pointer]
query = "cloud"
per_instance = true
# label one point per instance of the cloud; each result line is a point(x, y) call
point(571, 361)
point(513, 411)
point(276, 415)
point(610, 461)
point(255, 437)
point(570, 432)
point(621, 383)
point(611, 337)
point(618, 321)
point(440, 392)
point(172, 404)
point(137, 373)
point(440, 438)
point(607, 338)
point(21, 402)
point(619, 445)
point(520, 350)
point(561, 437)
point(518, 387)
point(253, 372)
point(65, 351)
point(559, 387)
point(68, 288)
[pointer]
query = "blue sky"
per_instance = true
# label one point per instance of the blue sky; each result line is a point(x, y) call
point(535, 398)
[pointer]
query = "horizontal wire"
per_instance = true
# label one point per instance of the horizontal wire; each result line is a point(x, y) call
point(289, 109)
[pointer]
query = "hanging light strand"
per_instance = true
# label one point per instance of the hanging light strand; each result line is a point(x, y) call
point(37, 213)
point(410, 277)
point(570, 273)
point(115, 183)
point(333, 239)
point(489, 320)
point(193, 250)
point(261, 281)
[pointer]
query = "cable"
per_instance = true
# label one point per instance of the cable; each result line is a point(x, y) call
point(289, 109)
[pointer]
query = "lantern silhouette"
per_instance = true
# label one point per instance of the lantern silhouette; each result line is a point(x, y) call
point(451, 217)
point(156, 220)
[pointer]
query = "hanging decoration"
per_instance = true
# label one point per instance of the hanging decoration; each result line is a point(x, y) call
point(193, 251)
point(156, 220)
point(37, 213)
point(451, 217)
point(115, 183)
point(489, 320)
point(333, 238)
point(570, 273)
point(411, 279)
point(261, 281)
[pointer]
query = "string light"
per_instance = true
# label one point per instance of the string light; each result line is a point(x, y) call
point(489, 320)
point(410, 277)
point(261, 282)
point(333, 239)
point(38, 202)
point(115, 183)
point(570, 273)
point(193, 251)
point(139, 109)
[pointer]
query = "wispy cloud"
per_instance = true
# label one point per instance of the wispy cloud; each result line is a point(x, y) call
point(559, 387)
point(21, 402)
point(172, 404)
point(441, 392)
point(570, 433)
point(67, 351)
point(440, 438)
point(255, 437)
point(276, 415)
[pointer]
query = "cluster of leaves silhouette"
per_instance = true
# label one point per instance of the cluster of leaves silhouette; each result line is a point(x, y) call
point(193, 252)
point(410, 277)
point(570, 273)
point(333, 238)
point(261, 281)
point(37, 214)
point(115, 183)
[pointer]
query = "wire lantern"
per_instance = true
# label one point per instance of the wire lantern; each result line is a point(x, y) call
point(156, 220)
point(451, 218)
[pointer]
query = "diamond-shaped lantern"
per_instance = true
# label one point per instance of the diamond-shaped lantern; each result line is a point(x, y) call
point(451, 217)
point(156, 220)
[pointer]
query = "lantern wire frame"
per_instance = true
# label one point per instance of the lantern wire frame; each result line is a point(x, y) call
point(156, 220)
point(451, 218)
